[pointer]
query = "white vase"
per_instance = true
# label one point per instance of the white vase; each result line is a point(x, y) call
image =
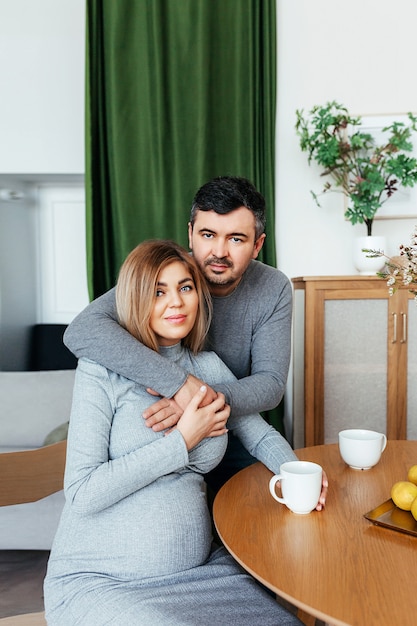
point(366, 265)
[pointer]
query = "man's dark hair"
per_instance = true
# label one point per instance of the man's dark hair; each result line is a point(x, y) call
point(228, 193)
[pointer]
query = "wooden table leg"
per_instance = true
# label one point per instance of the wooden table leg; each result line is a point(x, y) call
point(306, 618)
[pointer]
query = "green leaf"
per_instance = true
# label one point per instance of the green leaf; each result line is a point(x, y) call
point(365, 172)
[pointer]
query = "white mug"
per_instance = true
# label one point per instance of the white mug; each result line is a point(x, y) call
point(360, 448)
point(300, 485)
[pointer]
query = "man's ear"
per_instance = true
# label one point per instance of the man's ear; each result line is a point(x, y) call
point(190, 235)
point(258, 246)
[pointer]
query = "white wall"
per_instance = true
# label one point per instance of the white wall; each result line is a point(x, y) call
point(62, 259)
point(363, 54)
point(42, 86)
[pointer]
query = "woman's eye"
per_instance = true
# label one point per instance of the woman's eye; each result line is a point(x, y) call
point(186, 288)
point(159, 293)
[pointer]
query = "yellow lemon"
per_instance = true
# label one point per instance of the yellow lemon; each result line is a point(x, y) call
point(414, 509)
point(412, 474)
point(403, 493)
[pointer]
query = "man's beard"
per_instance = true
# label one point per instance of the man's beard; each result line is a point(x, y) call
point(218, 279)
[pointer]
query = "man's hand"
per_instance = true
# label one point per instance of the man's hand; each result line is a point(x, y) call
point(192, 386)
point(166, 412)
point(324, 486)
point(162, 414)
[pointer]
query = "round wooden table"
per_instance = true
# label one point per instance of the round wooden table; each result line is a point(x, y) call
point(335, 564)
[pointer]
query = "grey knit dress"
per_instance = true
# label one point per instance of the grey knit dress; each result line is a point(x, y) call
point(134, 542)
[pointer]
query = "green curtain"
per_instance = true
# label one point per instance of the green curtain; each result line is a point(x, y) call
point(177, 92)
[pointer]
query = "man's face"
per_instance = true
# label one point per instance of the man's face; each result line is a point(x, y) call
point(223, 246)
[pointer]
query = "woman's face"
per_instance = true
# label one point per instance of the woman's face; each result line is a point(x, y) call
point(176, 304)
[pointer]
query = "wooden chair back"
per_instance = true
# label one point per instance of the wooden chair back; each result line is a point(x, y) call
point(30, 475)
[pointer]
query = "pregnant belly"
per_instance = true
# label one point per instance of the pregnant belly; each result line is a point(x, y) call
point(162, 529)
point(174, 535)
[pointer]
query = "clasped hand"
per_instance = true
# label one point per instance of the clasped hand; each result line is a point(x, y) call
point(193, 400)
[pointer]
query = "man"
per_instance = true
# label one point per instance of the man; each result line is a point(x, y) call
point(250, 330)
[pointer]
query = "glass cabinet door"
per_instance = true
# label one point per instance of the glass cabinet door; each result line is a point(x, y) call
point(355, 366)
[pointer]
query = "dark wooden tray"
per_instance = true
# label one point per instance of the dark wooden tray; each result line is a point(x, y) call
point(390, 516)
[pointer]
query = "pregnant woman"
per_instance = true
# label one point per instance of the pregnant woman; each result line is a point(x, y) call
point(134, 544)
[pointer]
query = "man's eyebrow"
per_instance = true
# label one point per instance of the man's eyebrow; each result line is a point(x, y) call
point(208, 230)
point(238, 235)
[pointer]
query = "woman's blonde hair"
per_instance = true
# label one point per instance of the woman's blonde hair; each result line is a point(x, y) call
point(137, 285)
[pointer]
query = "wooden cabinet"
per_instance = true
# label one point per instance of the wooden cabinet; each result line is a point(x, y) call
point(354, 358)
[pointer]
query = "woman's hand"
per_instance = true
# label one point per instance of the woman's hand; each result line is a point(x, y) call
point(198, 422)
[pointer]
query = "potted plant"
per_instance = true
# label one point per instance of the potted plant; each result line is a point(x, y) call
point(353, 163)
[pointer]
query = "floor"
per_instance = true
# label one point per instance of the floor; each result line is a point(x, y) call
point(21, 581)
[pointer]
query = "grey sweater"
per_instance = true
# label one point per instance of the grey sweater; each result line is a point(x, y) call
point(250, 331)
point(135, 499)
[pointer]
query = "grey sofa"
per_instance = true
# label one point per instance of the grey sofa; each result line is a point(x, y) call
point(32, 405)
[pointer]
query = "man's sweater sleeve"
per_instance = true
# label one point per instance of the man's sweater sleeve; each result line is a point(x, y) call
point(97, 335)
point(260, 439)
